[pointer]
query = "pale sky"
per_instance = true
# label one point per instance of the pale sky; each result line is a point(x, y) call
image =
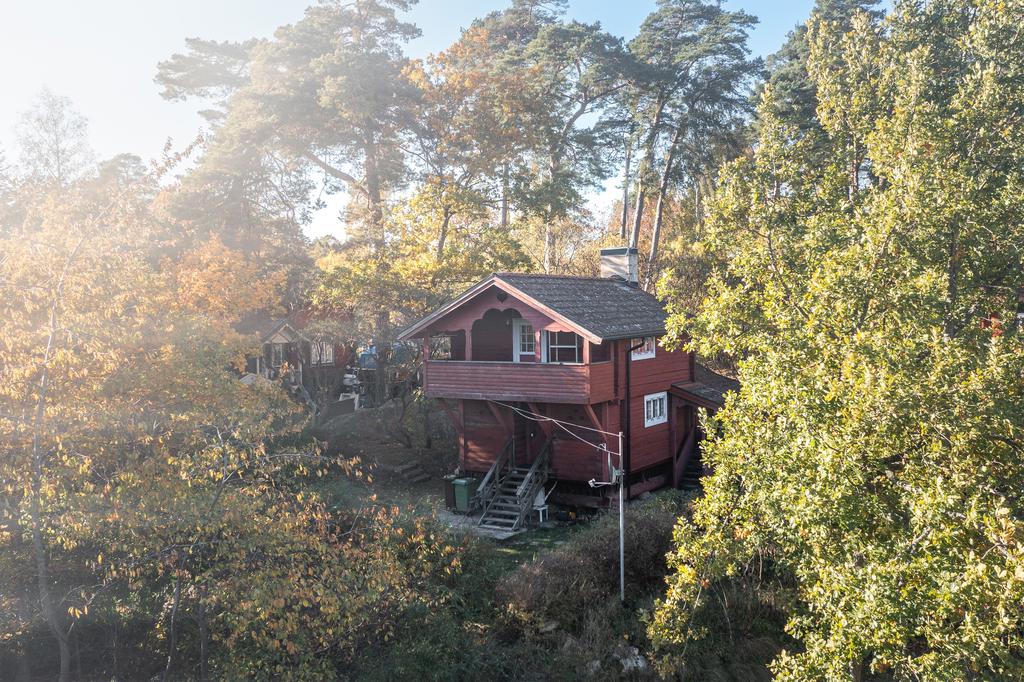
point(103, 55)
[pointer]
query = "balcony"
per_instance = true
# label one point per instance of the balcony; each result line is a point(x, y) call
point(520, 381)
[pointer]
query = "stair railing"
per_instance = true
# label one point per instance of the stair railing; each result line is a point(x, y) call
point(537, 473)
point(532, 482)
point(683, 457)
point(487, 491)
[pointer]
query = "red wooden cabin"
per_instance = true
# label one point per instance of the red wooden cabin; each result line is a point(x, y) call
point(517, 348)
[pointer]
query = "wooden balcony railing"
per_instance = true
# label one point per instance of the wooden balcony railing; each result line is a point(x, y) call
point(523, 381)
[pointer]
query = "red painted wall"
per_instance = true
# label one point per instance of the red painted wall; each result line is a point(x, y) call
point(468, 313)
point(484, 436)
point(492, 335)
point(651, 445)
point(572, 459)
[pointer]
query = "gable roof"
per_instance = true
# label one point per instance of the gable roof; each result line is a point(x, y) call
point(285, 328)
point(601, 309)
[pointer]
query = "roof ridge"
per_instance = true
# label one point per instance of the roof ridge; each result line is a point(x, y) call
point(550, 276)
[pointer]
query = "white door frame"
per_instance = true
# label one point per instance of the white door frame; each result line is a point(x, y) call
point(517, 329)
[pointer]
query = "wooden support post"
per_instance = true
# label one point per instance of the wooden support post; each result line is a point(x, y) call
point(605, 412)
point(451, 414)
point(426, 359)
point(499, 417)
point(546, 427)
point(465, 441)
point(673, 429)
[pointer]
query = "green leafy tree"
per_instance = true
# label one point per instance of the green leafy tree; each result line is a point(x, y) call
point(793, 89)
point(577, 69)
point(151, 504)
point(690, 99)
point(325, 103)
point(872, 456)
point(542, 90)
point(327, 93)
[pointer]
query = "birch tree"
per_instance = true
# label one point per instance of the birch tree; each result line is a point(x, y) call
point(53, 141)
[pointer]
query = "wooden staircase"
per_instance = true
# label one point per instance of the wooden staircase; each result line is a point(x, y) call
point(515, 488)
point(692, 473)
point(688, 468)
point(412, 472)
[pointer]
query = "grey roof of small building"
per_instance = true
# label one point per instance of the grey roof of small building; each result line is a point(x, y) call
point(708, 385)
point(609, 308)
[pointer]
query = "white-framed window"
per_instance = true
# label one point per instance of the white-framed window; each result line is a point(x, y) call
point(276, 354)
point(655, 409)
point(523, 344)
point(562, 347)
point(647, 350)
point(321, 353)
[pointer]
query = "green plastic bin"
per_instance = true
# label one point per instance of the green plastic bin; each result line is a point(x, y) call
point(465, 488)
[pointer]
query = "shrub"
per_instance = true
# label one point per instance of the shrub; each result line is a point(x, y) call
point(563, 584)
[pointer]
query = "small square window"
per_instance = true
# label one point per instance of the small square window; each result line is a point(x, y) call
point(647, 350)
point(655, 409)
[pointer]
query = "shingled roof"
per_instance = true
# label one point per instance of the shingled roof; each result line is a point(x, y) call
point(607, 307)
point(708, 387)
point(604, 308)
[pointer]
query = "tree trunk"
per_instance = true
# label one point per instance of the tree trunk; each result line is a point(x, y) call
point(643, 169)
point(204, 636)
point(696, 202)
point(857, 671)
point(50, 613)
point(625, 190)
point(504, 196)
point(442, 234)
point(638, 211)
point(76, 652)
point(659, 212)
point(113, 654)
point(373, 189)
point(549, 232)
point(549, 247)
point(173, 643)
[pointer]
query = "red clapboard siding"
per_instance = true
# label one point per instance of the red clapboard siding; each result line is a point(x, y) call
point(576, 461)
point(651, 445)
point(571, 459)
point(528, 382)
point(602, 382)
point(485, 437)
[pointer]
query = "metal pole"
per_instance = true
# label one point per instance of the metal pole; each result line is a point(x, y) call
point(622, 528)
